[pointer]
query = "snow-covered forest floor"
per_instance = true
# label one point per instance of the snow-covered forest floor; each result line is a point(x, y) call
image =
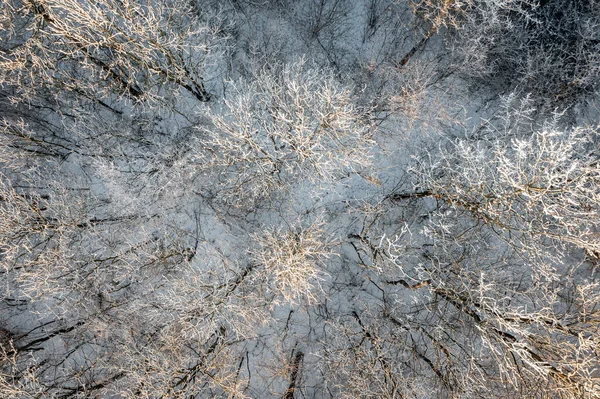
point(299, 199)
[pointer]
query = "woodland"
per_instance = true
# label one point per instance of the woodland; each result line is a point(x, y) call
point(299, 199)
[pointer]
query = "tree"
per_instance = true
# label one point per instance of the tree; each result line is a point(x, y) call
point(135, 47)
point(548, 47)
point(290, 123)
point(499, 292)
point(292, 261)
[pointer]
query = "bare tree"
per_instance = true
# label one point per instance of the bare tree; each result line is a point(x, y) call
point(548, 47)
point(290, 123)
point(293, 261)
point(136, 47)
point(495, 292)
